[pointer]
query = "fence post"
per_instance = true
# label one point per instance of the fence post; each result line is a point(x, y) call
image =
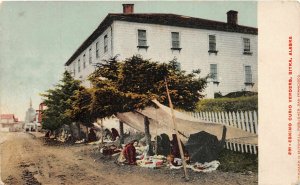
point(202, 115)
point(255, 122)
point(242, 148)
point(216, 117)
point(234, 120)
point(230, 118)
point(243, 121)
point(247, 121)
point(238, 120)
point(251, 121)
point(226, 118)
point(234, 149)
point(219, 117)
point(250, 148)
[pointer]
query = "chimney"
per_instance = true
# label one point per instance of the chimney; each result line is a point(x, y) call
point(232, 17)
point(128, 8)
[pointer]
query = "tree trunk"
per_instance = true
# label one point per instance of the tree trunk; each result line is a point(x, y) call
point(87, 133)
point(102, 131)
point(79, 132)
point(147, 135)
point(121, 127)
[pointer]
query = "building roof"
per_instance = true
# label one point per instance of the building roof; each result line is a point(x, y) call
point(162, 19)
point(7, 116)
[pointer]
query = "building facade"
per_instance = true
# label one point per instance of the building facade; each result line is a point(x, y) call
point(8, 122)
point(225, 50)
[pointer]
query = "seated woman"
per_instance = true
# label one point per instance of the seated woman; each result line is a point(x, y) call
point(129, 152)
point(114, 134)
point(92, 136)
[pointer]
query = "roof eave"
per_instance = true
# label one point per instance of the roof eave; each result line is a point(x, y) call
point(100, 29)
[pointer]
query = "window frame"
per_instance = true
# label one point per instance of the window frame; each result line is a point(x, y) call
point(74, 68)
point(90, 55)
point(97, 49)
point(84, 61)
point(173, 46)
point(78, 63)
point(105, 43)
point(248, 75)
point(247, 46)
point(212, 46)
point(139, 40)
point(214, 74)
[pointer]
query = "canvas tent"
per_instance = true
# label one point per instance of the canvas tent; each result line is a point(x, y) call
point(160, 119)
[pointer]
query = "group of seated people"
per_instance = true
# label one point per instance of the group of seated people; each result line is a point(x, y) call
point(111, 135)
point(129, 152)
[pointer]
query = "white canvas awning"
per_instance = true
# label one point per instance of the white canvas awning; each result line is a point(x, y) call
point(161, 122)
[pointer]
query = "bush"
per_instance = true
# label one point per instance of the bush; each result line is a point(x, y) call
point(239, 94)
point(249, 103)
point(237, 162)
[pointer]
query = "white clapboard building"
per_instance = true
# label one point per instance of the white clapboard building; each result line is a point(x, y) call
point(226, 50)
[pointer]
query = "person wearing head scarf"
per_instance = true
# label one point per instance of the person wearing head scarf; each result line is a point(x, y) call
point(114, 134)
point(129, 152)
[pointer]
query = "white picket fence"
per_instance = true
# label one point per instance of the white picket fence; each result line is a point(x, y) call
point(246, 121)
point(241, 147)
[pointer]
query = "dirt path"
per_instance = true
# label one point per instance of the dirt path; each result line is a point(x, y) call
point(26, 160)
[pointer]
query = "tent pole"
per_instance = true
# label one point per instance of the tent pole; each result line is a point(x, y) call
point(156, 144)
point(121, 128)
point(177, 133)
point(147, 135)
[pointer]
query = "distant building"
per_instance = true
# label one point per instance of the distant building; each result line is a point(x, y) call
point(30, 119)
point(225, 50)
point(42, 107)
point(30, 116)
point(8, 122)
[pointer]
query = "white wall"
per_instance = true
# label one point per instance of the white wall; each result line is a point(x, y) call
point(194, 54)
point(84, 73)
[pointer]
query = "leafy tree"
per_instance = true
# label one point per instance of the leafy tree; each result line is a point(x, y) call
point(58, 100)
point(132, 84)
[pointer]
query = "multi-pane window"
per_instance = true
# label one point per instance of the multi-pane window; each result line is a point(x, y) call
point(175, 40)
point(142, 38)
point(212, 43)
point(248, 74)
point(105, 43)
point(84, 61)
point(90, 55)
point(78, 65)
point(246, 45)
point(97, 50)
point(214, 72)
point(74, 68)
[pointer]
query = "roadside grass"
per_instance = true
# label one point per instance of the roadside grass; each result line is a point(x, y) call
point(237, 162)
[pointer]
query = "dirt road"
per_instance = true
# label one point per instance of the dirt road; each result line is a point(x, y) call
point(27, 160)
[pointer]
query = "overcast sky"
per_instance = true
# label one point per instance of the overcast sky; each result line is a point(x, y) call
point(37, 38)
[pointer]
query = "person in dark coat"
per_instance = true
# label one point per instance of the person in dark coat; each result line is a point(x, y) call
point(114, 134)
point(129, 152)
point(47, 135)
point(92, 136)
point(175, 148)
point(107, 134)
